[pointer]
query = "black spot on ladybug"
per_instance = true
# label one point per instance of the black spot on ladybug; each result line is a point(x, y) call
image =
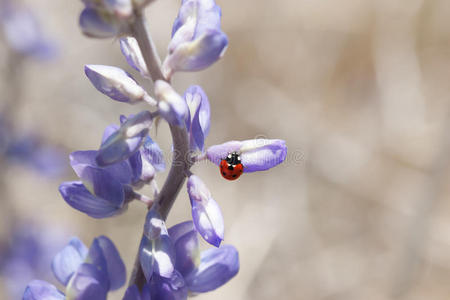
point(224, 174)
point(234, 175)
point(240, 171)
point(230, 167)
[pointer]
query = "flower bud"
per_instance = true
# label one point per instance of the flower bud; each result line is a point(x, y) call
point(156, 251)
point(206, 213)
point(198, 121)
point(115, 83)
point(197, 40)
point(172, 107)
point(130, 49)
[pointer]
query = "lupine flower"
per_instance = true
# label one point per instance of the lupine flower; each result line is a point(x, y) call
point(172, 107)
point(116, 83)
point(194, 272)
point(206, 213)
point(197, 40)
point(103, 191)
point(23, 32)
point(198, 121)
point(105, 18)
point(85, 273)
point(109, 175)
point(256, 155)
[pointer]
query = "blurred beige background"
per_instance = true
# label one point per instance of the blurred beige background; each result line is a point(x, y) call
point(359, 90)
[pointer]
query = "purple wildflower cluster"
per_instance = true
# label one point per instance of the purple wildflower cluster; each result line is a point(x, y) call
point(169, 263)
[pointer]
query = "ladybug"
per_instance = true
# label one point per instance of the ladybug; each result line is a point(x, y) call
point(231, 167)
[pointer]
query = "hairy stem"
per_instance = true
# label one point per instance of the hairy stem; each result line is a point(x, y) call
point(180, 162)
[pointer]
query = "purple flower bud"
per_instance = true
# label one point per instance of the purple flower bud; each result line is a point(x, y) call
point(197, 40)
point(67, 261)
point(172, 107)
point(123, 143)
point(185, 242)
point(41, 290)
point(198, 121)
point(98, 25)
point(206, 213)
point(88, 283)
point(133, 55)
point(156, 251)
point(217, 267)
point(256, 155)
point(115, 83)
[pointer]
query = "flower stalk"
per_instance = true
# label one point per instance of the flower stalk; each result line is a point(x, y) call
point(180, 162)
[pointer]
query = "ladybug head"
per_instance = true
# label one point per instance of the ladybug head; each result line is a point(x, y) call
point(233, 158)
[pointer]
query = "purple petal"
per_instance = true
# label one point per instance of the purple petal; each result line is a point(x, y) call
point(256, 155)
point(172, 107)
point(206, 213)
point(109, 130)
point(197, 54)
point(115, 83)
point(133, 55)
point(77, 196)
point(67, 261)
point(104, 255)
point(173, 288)
point(93, 25)
point(204, 13)
point(41, 290)
point(217, 267)
point(124, 142)
point(156, 250)
point(137, 167)
point(153, 154)
point(184, 239)
point(121, 171)
point(199, 121)
point(88, 283)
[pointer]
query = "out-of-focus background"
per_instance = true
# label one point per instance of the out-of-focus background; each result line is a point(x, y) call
point(360, 91)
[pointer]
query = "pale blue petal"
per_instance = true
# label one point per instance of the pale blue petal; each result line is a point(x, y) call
point(67, 261)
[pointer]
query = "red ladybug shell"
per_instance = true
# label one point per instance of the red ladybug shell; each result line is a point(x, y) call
point(231, 167)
